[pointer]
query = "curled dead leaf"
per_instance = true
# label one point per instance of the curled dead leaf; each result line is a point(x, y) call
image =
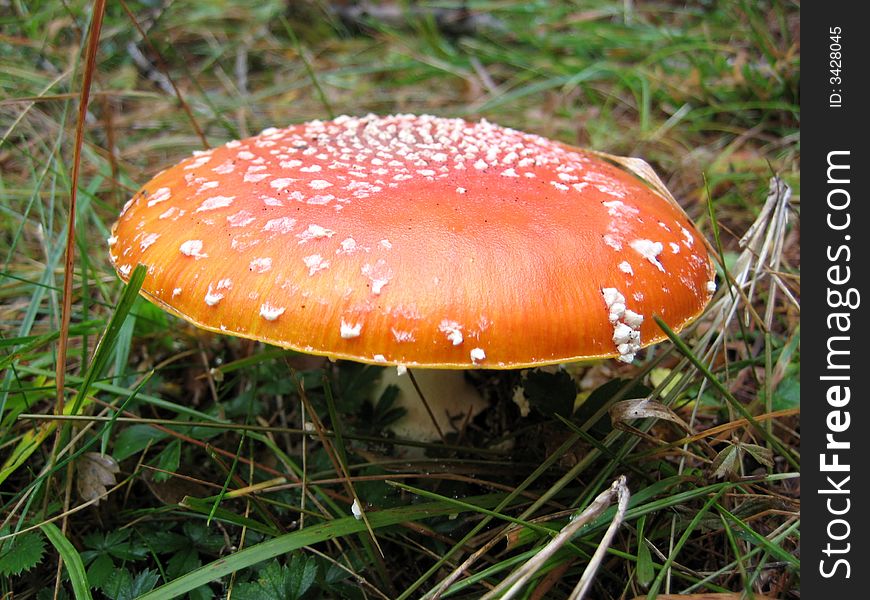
point(643, 408)
point(95, 474)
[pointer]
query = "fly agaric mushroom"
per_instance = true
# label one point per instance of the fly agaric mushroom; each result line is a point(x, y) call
point(416, 241)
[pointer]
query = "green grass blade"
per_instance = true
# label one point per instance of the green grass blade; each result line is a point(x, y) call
point(769, 437)
point(299, 539)
point(71, 559)
point(110, 337)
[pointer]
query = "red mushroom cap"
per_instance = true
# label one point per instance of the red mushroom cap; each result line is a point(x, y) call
point(416, 240)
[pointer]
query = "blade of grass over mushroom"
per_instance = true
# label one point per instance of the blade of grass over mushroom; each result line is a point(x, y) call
point(732, 401)
point(109, 339)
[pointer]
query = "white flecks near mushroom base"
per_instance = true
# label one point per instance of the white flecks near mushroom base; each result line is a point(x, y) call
point(193, 248)
point(711, 287)
point(356, 509)
point(270, 312)
point(401, 370)
point(519, 398)
point(125, 270)
point(349, 331)
point(649, 250)
point(477, 355)
point(626, 324)
point(453, 331)
point(380, 358)
point(315, 263)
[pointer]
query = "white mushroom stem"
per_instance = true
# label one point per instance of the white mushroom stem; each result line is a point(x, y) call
point(449, 396)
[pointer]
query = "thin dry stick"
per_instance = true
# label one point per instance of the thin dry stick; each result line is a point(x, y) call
point(514, 583)
point(69, 258)
point(426, 406)
point(93, 44)
point(586, 579)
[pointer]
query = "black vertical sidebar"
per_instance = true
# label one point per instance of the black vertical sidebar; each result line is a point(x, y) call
point(835, 260)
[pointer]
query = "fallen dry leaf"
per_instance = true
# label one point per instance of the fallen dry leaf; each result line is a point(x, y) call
point(96, 473)
point(643, 408)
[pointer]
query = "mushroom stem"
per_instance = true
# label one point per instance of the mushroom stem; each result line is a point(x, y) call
point(434, 404)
